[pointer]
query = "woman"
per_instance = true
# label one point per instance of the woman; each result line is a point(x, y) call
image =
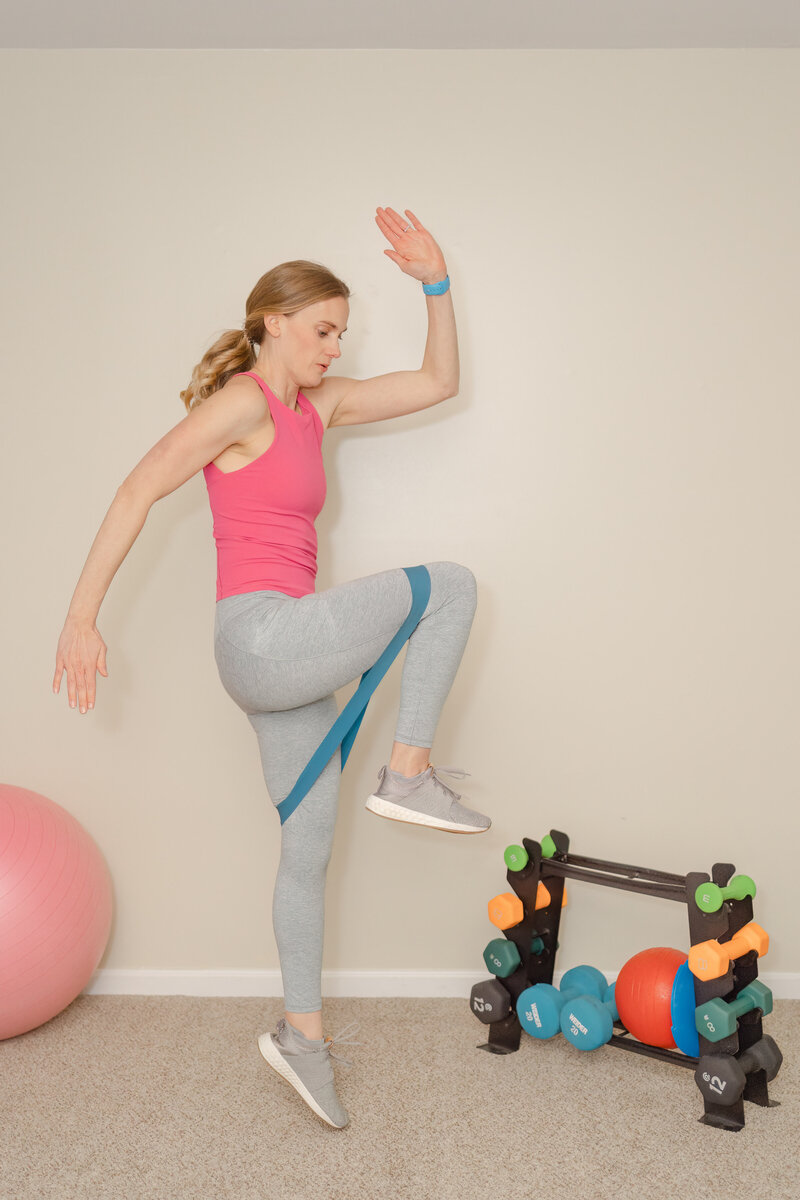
point(281, 648)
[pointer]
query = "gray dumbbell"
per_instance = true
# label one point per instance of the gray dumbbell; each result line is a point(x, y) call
point(722, 1078)
point(490, 1001)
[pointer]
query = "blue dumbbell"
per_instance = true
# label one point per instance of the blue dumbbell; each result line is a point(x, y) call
point(588, 1021)
point(539, 1007)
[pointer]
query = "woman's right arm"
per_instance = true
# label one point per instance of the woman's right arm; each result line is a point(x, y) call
point(226, 417)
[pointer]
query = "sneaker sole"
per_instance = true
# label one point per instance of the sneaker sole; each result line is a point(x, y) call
point(276, 1060)
point(395, 812)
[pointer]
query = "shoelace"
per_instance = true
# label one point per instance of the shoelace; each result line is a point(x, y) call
point(456, 772)
point(340, 1038)
point(283, 1025)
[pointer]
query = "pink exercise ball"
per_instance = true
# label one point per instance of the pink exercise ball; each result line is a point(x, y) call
point(55, 909)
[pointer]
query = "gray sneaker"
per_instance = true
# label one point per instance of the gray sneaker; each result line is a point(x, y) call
point(424, 800)
point(306, 1065)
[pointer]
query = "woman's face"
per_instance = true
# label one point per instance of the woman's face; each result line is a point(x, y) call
point(310, 338)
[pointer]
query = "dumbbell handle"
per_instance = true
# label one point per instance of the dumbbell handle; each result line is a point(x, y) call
point(763, 1056)
point(571, 993)
point(608, 1001)
point(717, 1018)
point(709, 897)
point(748, 938)
point(751, 937)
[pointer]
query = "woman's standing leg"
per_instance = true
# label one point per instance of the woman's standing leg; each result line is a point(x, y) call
point(286, 741)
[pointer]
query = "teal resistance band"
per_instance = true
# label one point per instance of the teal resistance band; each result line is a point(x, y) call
point(346, 725)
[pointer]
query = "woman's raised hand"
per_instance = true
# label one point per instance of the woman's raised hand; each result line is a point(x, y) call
point(415, 250)
point(81, 653)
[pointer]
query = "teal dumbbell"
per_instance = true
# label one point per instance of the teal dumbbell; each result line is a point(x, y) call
point(588, 1021)
point(501, 957)
point(718, 1018)
point(539, 1007)
point(709, 898)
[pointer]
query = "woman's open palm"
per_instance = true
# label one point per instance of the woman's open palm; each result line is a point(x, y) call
point(415, 250)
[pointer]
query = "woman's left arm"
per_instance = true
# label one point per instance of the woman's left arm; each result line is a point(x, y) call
point(402, 392)
point(417, 254)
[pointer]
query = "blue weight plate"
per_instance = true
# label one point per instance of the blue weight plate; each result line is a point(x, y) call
point(682, 1007)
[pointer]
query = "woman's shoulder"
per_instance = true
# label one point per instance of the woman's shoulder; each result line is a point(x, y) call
point(325, 397)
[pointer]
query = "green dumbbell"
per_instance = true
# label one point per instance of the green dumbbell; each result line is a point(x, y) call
point(517, 858)
point(718, 1018)
point(709, 898)
point(501, 957)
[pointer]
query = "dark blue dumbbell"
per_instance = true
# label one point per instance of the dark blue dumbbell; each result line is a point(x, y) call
point(588, 1021)
point(539, 1007)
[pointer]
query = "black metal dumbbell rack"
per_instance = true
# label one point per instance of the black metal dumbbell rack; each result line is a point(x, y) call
point(538, 930)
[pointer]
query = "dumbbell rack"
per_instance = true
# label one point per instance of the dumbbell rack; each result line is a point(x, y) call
point(543, 923)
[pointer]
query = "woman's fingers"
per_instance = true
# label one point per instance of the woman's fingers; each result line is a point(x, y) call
point(393, 225)
point(416, 221)
point(77, 692)
point(80, 655)
point(389, 227)
point(401, 223)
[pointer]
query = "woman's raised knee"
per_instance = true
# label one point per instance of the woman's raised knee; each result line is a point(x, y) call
point(455, 577)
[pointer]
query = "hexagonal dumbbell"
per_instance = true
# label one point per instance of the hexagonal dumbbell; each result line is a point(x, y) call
point(710, 960)
point(722, 1077)
point(502, 957)
point(539, 1007)
point(507, 910)
point(709, 898)
point(490, 1001)
point(718, 1019)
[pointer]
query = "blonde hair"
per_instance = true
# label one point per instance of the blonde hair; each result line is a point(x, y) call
point(285, 289)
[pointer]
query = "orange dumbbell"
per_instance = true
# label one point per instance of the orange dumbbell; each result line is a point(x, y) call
point(710, 960)
point(506, 909)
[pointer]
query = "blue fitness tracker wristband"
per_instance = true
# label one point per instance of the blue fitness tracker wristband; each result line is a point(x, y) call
point(436, 289)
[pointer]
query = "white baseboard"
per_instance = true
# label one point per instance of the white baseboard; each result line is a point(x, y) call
point(114, 981)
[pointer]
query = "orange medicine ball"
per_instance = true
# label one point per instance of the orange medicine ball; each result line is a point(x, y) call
point(643, 995)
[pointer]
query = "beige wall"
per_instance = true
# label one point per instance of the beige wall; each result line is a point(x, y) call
point(618, 469)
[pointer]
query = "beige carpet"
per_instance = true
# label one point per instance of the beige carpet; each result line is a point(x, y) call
point(168, 1097)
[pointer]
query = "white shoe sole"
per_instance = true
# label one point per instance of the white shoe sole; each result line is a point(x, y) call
point(276, 1060)
point(396, 812)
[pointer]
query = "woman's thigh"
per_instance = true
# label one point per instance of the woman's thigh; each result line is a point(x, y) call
point(280, 652)
point(277, 652)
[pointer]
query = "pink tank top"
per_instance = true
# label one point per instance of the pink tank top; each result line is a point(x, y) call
point(264, 512)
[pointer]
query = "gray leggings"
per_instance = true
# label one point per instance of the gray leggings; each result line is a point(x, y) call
point(281, 658)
